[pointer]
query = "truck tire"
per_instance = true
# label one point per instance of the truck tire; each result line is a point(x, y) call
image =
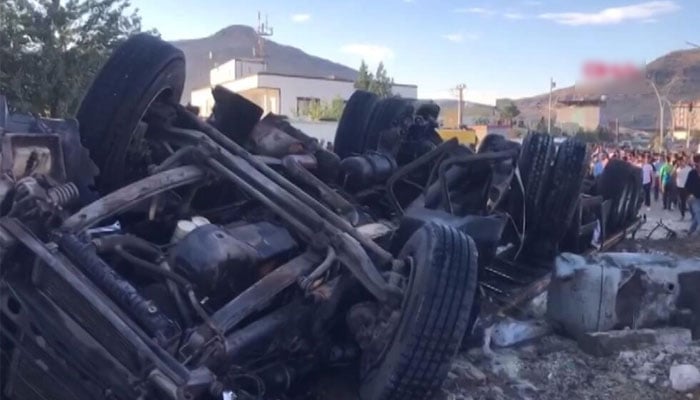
point(141, 70)
point(613, 185)
point(535, 164)
point(352, 127)
point(563, 192)
point(637, 195)
point(388, 113)
point(436, 311)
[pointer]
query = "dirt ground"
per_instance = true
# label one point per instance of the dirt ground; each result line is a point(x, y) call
point(553, 367)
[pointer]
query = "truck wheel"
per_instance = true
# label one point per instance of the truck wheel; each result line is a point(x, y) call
point(388, 113)
point(352, 127)
point(564, 191)
point(614, 185)
point(440, 291)
point(142, 70)
point(536, 157)
point(637, 196)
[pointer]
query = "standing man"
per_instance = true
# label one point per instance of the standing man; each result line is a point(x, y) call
point(665, 174)
point(647, 178)
point(657, 166)
point(692, 185)
point(682, 172)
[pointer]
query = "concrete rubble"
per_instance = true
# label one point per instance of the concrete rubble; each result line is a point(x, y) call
point(684, 377)
point(615, 326)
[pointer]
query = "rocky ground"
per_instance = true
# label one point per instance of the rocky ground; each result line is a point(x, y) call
point(554, 367)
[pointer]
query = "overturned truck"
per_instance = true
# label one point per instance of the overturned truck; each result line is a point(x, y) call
point(148, 253)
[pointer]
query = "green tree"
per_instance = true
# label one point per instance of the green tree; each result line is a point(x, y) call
point(541, 125)
point(509, 112)
point(382, 83)
point(379, 83)
point(51, 49)
point(364, 77)
point(481, 121)
point(326, 110)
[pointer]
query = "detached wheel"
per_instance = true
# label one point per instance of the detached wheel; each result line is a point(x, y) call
point(352, 127)
point(142, 71)
point(438, 300)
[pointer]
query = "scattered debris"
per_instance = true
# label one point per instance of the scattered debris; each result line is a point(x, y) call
point(616, 290)
point(508, 331)
point(613, 342)
point(684, 377)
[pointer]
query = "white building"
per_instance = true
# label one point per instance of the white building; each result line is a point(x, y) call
point(283, 94)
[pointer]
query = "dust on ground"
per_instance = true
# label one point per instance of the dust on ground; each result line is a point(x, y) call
point(553, 368)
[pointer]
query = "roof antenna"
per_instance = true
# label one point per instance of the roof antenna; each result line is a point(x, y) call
point(264, 30)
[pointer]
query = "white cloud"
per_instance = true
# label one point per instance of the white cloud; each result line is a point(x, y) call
point(614, 15)
point(454, 37)
point(513, 15)
point(475, 10)
point(460, 37)
point(301, 18)
point(371, 53)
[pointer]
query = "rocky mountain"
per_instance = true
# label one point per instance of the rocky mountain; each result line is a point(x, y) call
point(633, 102)
point(239, 41)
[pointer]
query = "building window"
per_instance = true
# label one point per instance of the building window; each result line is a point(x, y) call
point(304, 104)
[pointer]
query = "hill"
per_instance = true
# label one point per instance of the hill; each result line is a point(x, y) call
point(239, 41)
point(677, 76)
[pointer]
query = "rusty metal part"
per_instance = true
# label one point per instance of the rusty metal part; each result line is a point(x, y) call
point(414, 165)
point(361, 319)
point(63, 195)
point(301, 228)
point(269, 140)
point(131, 195)
point(232, 150)
point(465, 160)
point(145, 346)
point(329, 196)
point(350, 253)
point(26, 154)
point(262, 330)
point(263, 291)
point(306, 281)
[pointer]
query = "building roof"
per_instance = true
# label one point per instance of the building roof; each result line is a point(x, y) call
point(326, 78)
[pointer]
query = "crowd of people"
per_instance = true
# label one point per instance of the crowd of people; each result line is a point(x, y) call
point(672, 178)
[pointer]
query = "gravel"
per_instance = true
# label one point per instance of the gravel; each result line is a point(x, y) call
point(553, 368)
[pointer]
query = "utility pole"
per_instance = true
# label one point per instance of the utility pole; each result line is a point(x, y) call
point(688, 116)
point(552, 84)
point(460, 103)
point(617, 131)
point(661, 114)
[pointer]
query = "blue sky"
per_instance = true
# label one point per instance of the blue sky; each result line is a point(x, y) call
point(498, 48)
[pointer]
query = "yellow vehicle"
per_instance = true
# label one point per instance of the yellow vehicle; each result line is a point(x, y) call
point(465, 137)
